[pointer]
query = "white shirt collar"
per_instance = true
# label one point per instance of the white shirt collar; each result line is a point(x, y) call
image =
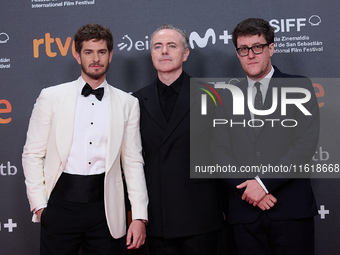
point(265, 81)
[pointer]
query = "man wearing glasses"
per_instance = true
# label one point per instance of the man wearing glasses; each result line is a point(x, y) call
point(270, 215)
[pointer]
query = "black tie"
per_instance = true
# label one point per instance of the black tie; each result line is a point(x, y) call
point(257, 105)
point(87, 90)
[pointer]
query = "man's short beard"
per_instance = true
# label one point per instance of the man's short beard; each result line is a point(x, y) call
point(95, 76)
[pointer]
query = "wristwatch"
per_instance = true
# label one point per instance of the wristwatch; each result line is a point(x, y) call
point(145, 222)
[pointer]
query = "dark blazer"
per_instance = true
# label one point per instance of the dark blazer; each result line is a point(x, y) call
point(178, 206)
point(239, 146)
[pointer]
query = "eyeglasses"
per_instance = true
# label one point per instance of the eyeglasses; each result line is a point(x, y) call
point(256, 49)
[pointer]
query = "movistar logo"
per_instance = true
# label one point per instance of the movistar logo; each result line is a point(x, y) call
point(202, 42)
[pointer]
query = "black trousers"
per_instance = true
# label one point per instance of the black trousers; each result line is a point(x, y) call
point(75, 217)
point(204, 244)
point(269, 237)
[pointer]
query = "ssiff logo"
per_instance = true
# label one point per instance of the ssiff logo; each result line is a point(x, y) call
point(4, 37)
point(287, 25)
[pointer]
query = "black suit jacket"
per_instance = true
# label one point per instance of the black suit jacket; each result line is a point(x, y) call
point(239, 146)
point(178, 206)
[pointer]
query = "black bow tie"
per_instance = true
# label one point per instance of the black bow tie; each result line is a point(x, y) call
point(87, 90)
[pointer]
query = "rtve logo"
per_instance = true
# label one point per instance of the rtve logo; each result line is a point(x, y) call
point(320, 93)
point(5, 107)
point(47, 43)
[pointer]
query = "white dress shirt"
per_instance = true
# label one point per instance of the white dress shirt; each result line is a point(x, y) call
point(88, 150)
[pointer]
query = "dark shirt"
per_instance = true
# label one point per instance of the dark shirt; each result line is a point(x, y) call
point(168, 95)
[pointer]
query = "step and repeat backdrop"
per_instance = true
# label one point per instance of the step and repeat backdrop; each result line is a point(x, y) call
point(36, 51)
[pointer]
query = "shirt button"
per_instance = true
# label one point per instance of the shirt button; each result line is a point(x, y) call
point(90, 142)
point(258, 153)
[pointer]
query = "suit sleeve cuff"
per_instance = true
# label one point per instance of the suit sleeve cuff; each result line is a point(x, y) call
point(39, 207)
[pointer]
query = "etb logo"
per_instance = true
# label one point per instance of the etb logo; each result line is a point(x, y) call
point(8, 169)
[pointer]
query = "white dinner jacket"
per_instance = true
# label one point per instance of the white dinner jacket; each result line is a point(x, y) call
point(49, 140)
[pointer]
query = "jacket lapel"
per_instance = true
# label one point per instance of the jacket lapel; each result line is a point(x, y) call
point(152, 106)
point(116, 128)
point(250, 130)
point(65, 121)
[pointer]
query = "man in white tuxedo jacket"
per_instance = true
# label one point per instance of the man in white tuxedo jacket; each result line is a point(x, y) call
point(81, 134)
